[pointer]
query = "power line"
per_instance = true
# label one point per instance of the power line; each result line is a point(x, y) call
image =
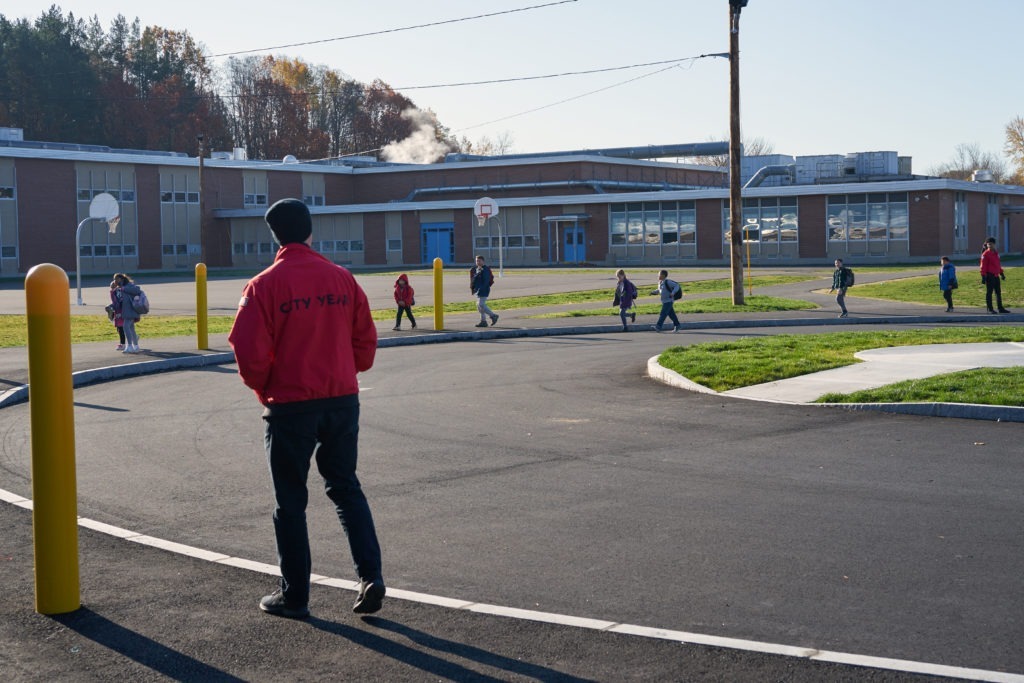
point(575, 97)
point(394, 30)
point(560, 75)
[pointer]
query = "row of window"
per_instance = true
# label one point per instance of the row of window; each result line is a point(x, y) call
point(86, 194)
point(107, 250)
point(167, 197)
point(768, 220)
point(653, 223)
point(6, 193)
point(492, 242)
point(875, 216)
point(322, 246)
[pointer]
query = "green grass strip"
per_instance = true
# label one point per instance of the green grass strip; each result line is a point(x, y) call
point(729, 365)
point(983, 386)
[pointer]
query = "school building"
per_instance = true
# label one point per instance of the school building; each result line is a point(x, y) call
point(611, 207)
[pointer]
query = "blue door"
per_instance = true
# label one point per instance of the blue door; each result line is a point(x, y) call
point(437, 242)
point(575, 243)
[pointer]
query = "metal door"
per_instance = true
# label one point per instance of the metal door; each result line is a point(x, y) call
point(575, 244)
point(437, 242)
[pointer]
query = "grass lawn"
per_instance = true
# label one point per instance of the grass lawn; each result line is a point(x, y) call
point(984, 386)
point(729, 365)
point(925, 289)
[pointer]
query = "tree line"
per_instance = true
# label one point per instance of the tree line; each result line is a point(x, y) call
point(68, 80)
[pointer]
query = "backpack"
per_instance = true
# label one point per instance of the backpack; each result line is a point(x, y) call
point(848, 277)
point(140, 302)
point(678, 294)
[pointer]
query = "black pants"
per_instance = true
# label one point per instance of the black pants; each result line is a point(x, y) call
point(992, 285)
point(947, 294)
point(291, 441)
point(408, 312)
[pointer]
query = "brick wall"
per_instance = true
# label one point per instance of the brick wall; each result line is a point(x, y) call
point(47, 213)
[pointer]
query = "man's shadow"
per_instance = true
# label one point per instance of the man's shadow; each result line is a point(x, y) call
point(434, 664)
point(139, 648)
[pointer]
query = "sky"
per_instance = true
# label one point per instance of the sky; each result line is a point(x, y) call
point(816, 76)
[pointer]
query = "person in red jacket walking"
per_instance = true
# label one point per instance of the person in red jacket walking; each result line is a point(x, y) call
point(991, 273)
point(301, 334)
point(405, 299)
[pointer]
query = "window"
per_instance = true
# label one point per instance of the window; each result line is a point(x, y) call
point(767, 220)
point(8, 252)
point(341, 245)
point(6, 193)
point(653, 223)
point(313, 200)
point(394, 245)
point(874, 217)
point(355, 245)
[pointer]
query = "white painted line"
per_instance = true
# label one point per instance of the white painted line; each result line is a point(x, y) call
point(8, 497)
point(107, 529)
point(715, 641)
point(917, 667)
point(682, 637)
point(546, 617)
point(252, 566)
point(178, 548)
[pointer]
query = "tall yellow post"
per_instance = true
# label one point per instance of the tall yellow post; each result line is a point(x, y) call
point(202, 310)
point(438, 294)
point(54, 494)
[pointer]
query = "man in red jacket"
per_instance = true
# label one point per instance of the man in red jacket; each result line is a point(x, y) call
point(991, 272)
point(302, 332)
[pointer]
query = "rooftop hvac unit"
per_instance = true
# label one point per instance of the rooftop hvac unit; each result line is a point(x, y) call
point(222, 156)
point(982, 175)
point(12, 134)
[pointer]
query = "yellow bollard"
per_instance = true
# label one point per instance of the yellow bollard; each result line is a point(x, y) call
point(202, 310)
point(438, 294)
point(51, 405)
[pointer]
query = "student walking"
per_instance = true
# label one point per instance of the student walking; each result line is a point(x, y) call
point(302, 332)
point(668, 290)
point(115, 312)
point(947, 282)
point(991, 273)
point(129, 316)
point(405, 299)
point(480, 281)
point(841, 278)
point(625, 295)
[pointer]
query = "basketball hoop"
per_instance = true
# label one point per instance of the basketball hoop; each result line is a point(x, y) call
point(484, 208)
point(112, 224)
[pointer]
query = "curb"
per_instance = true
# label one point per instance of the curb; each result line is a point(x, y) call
point(967, 411)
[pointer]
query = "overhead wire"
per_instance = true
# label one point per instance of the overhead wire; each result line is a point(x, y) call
point(393, 30)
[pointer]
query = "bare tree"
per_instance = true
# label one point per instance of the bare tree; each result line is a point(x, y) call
point(968, 158)
point(1015, 148)
point(752, 147)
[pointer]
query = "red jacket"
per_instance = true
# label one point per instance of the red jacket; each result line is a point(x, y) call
point(404, 297)
point(303, 330)
point(990, 262)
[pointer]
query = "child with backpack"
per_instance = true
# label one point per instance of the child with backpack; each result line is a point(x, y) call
point(129, 314)
point(480, 281)
point(625, 295)
point(842, 279)
point(405, 299)
point(114, 312)
point(670, 292)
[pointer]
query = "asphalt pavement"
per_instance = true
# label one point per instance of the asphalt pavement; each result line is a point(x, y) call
point(152, 614)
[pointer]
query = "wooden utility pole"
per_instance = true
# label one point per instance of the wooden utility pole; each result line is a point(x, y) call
point(735, 200)
point(202, 204)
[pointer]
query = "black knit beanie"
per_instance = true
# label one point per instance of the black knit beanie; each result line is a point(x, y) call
point(289, 221)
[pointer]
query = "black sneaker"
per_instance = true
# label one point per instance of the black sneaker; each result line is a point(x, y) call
point(1003, 310)
point(844, 314)
point(633, 316)
point(370, 598)
point(494, 320)
point(482, 323)
point(276, 604)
